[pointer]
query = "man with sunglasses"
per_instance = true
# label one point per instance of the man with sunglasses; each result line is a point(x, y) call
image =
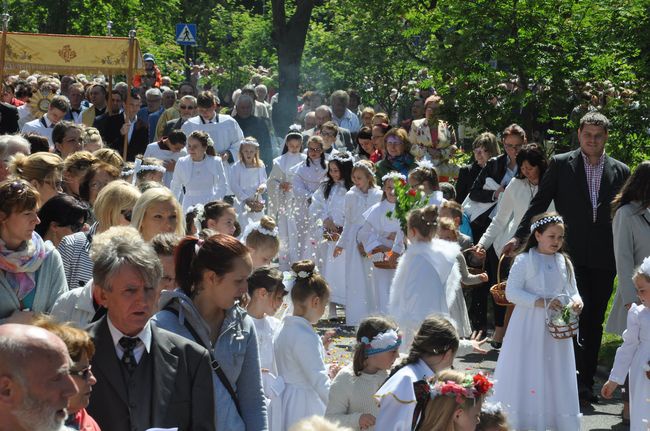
point(323, 115)
point(173, 113)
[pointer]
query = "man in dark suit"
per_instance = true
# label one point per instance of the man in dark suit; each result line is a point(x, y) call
point(323, 115)
point(582, 184)
point(8, 119)
point(146, 377)
point(128, 124)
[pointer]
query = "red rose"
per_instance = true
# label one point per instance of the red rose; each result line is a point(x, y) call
point(412, 192)
point(403, 182)
point(482, 384)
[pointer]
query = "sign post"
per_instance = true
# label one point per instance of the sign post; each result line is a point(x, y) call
point(186, 37)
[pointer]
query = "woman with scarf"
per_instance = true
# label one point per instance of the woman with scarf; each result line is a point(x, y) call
point(31, 270)
point(397, 157)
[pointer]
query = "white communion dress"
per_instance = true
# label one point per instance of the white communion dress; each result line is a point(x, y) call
point(199, 182)
point(244, 183)
point(306, 180)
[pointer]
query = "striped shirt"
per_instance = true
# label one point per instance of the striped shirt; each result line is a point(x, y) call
point(75, 253)
point(594, 175)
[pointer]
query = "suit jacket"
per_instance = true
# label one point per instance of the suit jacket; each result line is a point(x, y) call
point(8, 119)
point(495, 168)
point(115, 139)
point(182, 393)
point(589, 243)
point(466, 177)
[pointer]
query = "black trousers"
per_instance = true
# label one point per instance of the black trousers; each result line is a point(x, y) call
point(595, 287)
point(480, 294)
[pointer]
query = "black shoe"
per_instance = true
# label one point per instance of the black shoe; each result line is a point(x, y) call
point(587, 396)
point(496, 345)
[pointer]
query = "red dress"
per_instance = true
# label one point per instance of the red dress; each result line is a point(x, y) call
point(83, 421)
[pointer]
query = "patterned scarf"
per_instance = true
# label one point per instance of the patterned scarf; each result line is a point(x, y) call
point(400, 163)
point(20, 265)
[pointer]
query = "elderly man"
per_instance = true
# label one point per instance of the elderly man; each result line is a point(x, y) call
point(173, 113)
point(98, 96)
point(35, 381)
point(223, 129)
point(146, 377)
point(324, 114)
point(582, 184)
point(341, 114)
point(168, 98)
point(9, 146)
point(44, 125)
point(187, 108)
point(152, 111)
point(255, 127)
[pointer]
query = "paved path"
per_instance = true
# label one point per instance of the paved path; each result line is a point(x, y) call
point(602, 416)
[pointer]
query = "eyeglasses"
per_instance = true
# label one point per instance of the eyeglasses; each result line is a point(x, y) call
point(187, 107)
point(83, 373)
point(394, 142)
point(126, 214)
point(328, 134)
point(513, 147)
point(315, 150)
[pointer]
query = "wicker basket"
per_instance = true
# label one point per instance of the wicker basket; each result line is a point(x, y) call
point(380, 260)
point(498, 291)
point(561, 332)
point(329, 235)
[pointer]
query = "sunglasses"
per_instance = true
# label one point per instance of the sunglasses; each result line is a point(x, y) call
point(84, 373)
point(187, 107)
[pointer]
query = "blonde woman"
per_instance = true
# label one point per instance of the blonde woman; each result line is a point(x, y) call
point(75, 167)
point(91, 140)
point(158, 211)
point(112, 208)
point(44, 171)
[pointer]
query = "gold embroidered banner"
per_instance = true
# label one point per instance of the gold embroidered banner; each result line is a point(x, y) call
point(70, 54)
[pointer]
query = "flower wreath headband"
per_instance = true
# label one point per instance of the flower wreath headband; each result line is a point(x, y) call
point(645, 267)
point(545, 220)
point(382, 342)
point(364, 166)
point(393, 176)
point(261, 229)
point(342, 157)
point(472, 387)
point(249, 141)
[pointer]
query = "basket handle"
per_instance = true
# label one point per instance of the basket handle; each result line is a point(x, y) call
point(499, 268)
point(547, 304)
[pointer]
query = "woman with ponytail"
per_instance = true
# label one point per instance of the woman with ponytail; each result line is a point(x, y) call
point(212, 275)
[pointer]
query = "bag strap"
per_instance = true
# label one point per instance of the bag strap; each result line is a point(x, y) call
point(213, 362)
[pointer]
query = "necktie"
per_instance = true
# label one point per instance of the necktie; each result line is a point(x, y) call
point(128, 359)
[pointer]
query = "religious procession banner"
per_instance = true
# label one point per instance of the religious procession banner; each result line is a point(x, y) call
point(57, 53)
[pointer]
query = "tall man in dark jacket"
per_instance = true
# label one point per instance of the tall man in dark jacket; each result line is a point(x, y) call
point(582, 183)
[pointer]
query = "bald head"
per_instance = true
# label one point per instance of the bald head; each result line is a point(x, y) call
point(323, 115)
point(19, 343)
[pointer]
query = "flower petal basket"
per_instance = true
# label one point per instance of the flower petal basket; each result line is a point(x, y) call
point(562, 324)
point(498, 290)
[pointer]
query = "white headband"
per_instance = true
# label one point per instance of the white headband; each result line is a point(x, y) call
point(424, 163)
point(258, 227)
point(342, 157)
point(545, 220)
point(382, 342)
point(645, 267)
point(250, 142)
point(140, 167)
point(359, 165)
point(393, 176)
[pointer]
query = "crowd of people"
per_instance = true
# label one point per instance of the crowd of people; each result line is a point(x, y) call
point(165, 259)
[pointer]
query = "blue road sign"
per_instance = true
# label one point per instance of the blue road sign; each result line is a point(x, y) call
point(186, 34)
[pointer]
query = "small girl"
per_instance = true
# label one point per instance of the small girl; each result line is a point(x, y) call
point(351, 401)
point(433, 350)
point(266, 292)
point(261, 238)
point(282, 204)
point(455, 401)
point(383, 240)
point(634, 355)
point(427, 278)
point(147, 169)
point(359, 298)
point(307, 178)
point(425, 176)
point(492, 418)
point(327, 211)
point(537, 384)
point(218, 216)
point(299, 351)
point(248, 182)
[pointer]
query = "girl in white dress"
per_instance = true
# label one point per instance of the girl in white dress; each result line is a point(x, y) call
point(327, 211)
point(351, 401)
point(262, 240)
point(426, 278)
point(248, 182)
point(266, 291)
point(218, 216)
point(433, 350)
point(537, 384)
point(306, 178)
point(299, 351)
point(383, 240)
point(199, 177)
point(282, 205)
point(634, 355)
point(360, 300)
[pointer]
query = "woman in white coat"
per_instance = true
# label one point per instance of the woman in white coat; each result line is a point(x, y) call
point(327, 211)
point(282, 204)
point(199, 177)
point(360, 300)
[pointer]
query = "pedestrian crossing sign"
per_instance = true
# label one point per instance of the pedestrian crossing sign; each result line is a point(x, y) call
point(186, 34)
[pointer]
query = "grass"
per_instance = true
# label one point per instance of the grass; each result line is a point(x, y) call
point(610, 342)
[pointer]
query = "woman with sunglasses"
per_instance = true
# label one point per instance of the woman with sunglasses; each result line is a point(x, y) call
point(32, 276)
point(61, 216)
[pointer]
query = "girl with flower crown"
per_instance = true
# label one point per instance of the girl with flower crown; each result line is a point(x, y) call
point(307, 177)
point(383, 241)
point(537, 384)
point(359, 297)
point(351, 401)
point(261, 238)
point(455, 401)
point(32, 275)
point(634, 355)
point(299, 351)
point(248, 182)
point(425, 176)
point(327, 211)
point(282, 205)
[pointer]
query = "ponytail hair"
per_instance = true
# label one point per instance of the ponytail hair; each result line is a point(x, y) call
point(218, 253)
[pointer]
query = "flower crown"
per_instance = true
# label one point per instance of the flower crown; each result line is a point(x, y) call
point(393, 176)
point(645, 267)
point(250, 141)
point(545, 220)
point(342, 156)
point(472, 388)
point(382, 342)
point(366, 166)
point(424, 163)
